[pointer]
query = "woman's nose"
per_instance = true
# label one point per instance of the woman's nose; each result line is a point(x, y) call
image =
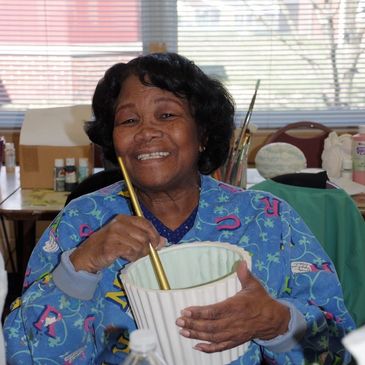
point(147, 133)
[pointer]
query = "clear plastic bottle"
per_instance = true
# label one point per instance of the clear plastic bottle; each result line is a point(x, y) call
point(10, 157)
point(143, 345)
point(358, 156)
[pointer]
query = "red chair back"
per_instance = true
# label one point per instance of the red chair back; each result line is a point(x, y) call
point(312, 146)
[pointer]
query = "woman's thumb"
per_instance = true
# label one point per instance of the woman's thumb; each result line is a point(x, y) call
point(243, 274)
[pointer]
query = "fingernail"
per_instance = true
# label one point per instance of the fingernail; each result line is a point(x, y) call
point(185, 313)
point(184, 333)
point(180, 322)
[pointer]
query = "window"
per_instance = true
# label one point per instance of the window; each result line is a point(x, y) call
point(309, 55)
point(52, 53)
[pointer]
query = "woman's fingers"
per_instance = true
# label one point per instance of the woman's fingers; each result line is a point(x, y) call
point(213, 331)
point(125, 236)
point(218, 335)
point(137, 227)
point(214, 347)
point(250, 313)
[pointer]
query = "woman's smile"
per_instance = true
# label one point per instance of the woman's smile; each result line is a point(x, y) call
point(152, 156)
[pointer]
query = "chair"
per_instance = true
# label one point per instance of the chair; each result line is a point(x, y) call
point(312, 146)
point(334, 219)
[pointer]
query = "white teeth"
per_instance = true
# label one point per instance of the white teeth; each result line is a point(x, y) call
point(149, 156)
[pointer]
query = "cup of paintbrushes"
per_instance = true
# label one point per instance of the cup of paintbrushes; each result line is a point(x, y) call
point(239, 170)
point(242, 163)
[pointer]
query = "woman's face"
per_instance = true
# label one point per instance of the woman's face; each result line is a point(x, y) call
point(156, 135)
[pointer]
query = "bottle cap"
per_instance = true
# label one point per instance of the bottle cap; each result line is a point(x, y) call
point(142, 340)
point(347, 164)
point(58, 162)
point(70, 161)
point(362, 128)
point(83, 161)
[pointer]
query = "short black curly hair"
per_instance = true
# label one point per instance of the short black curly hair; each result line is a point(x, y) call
point(211, 105)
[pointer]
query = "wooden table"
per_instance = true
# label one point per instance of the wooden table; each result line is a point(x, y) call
point(25, 207)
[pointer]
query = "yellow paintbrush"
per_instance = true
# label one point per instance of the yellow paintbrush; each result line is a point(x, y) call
point(155, 259)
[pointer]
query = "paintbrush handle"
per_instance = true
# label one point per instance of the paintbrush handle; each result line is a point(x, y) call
point(155, 259)
point(248, 115)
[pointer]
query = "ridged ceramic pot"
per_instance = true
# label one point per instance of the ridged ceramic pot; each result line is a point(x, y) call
point(199, 273)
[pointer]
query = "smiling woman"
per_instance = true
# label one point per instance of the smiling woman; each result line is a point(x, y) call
point(172, 126)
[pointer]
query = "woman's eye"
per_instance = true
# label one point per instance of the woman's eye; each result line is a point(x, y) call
point(129, 121)
point(125, 122)
point(167, 115)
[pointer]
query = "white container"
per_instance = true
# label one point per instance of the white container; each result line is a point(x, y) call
point(355, 343)
point(347, 169)
point(199, 273)
point(59, 175)
point(9, 157)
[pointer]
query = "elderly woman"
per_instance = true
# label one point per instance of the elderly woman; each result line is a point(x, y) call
point(172, 125)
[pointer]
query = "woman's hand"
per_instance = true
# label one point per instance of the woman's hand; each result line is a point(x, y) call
point(125, 236)
point(249, 314)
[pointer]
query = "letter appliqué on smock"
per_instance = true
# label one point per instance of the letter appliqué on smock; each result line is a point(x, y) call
point(271, 208)
point(118, 297)
point(299, 267)
point(47, 319)
point(234, 224)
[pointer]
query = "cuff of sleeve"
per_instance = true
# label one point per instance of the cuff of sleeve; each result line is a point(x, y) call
point(77, 284)
point(297, 327)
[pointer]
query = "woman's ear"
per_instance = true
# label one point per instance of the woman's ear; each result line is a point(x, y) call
point(203, 144)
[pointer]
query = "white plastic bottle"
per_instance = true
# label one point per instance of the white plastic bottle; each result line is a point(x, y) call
point(143, 345)
point(346, 172)
point(358, 156)
point(59, 174)
point(9, 157)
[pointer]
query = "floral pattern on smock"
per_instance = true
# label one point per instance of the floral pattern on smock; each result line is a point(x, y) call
point(46, 326)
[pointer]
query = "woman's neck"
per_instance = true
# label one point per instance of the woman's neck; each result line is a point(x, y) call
point(172, 208)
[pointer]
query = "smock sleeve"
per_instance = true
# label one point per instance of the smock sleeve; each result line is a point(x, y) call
point(45, 319)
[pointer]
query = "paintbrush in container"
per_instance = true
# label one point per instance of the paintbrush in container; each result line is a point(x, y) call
point(236, 150)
